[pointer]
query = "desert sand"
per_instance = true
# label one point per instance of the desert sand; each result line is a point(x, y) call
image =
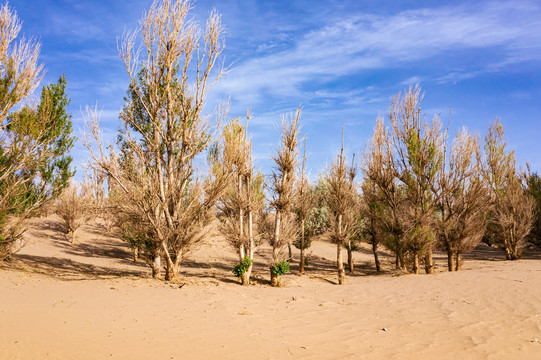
point(88, 300)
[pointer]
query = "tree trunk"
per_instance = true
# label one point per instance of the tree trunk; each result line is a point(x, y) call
point(458, 261)
point(340, 264)
point(416, 263)
point(275, 281)
point(276, 237)
point(508, 253)
point(245, 278)
point(169, 271)
point(402, 261)
point(429, 262)
point(450, 262)
point(290, 250)
point(376, 257)
point(339, 261)
point(156, 266)
point(514, 255)
point(351, 265)
point(301, 261)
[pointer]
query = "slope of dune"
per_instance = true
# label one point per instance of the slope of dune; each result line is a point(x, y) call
point(88, 300)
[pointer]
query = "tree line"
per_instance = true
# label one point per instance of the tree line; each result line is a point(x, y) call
point(175, 169)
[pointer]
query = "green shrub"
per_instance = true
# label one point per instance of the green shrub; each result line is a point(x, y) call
point(241, 268)
point(280, 268)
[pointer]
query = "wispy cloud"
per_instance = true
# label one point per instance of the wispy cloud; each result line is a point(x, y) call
point(366, 42)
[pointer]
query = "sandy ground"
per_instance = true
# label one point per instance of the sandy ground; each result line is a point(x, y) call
point(88, 300)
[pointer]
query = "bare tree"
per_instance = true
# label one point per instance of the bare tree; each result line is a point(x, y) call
point(463, 199)
point(164, 127)
point(513, 213)
point(341, 199)
point(419, 158)
point(283, 189)
point(386, 199)
point(19, 66)
point(304, 203)
point(243, 198)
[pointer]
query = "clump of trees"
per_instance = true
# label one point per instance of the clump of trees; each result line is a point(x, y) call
point(463, 199)
point(164, 129)
point(420, 192)
point(243, 199)
point(35, 139)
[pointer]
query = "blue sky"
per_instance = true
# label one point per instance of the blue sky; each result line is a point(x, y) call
point(341, 61)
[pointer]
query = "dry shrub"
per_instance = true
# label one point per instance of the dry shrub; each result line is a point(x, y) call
point(74, 207)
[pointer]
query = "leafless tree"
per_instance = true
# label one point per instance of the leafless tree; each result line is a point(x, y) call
point(513, 207)
point(19, 66)
point(341, 199)
point(386, 198)
point(283, 188)
point(463, 199)
point(164, 127)
point(243, 199)
point(403, 164)
point(419, 157)
point(304, 203)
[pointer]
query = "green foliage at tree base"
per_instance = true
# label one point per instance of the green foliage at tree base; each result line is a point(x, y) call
point(243, 266)
point(280, 268)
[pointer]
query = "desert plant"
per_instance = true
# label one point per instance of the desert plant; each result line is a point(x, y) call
point(74, 209)
point(34, 139)
point(369, 212)
point(303, 206)
point(513, 206)
point(463, 199)
point(385, 195)
point(534, 189)
point(319, 221)
point(34, 164)
point(283, 188)
point(418, 149)
point(243, 198)
point(341, 200)
point(164, 128)
point(404, 164)
point(242, 267)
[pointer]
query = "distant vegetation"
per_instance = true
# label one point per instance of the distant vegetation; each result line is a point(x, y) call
point(413, 190)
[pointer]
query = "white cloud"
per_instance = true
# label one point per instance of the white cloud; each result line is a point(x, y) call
point(367, 42)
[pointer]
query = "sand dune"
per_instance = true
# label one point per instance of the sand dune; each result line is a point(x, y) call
point(88, 300)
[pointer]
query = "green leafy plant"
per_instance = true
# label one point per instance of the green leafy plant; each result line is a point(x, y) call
point(241, 268)
point(280, 268)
